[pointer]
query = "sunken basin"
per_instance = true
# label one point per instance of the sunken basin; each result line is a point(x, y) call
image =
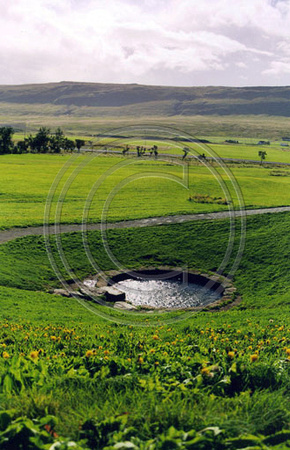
point(170, 289)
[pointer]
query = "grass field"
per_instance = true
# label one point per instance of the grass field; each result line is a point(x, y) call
point(243, 150)
point(141, 188)
point(71, 378)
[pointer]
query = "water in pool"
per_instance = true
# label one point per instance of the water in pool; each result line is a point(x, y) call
point(166, 294)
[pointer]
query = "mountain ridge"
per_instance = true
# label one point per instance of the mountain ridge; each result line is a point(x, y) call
point(200, 100)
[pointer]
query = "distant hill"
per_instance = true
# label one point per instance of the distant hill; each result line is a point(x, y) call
point(131, 99)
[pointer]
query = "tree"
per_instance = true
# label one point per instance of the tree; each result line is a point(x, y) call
point(68, 145)
point(185, 151)
point(79, 144)
point(202, 157)
point(40, 143)
point(155, 150)
point(6, 144)
point(57, 141)
point(262, 155)
point(21, 147)
point(125, 150)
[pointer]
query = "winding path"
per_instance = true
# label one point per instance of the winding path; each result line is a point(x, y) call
point(14, 233)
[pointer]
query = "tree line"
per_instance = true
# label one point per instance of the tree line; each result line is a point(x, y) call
point(44, 141)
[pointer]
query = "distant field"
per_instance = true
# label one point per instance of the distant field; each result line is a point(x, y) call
point(275, 152)
point(82, 121)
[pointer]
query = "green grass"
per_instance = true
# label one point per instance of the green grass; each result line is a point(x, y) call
point(243, 150)
point(153, 379)
point(189, 374)
point(275, 153)
point(108, 385)
point(140, 188)
point(262, 275)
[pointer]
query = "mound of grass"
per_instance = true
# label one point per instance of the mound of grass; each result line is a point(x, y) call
point(279, 173)
point(199, 198)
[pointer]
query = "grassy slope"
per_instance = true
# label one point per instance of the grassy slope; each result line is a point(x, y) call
point(166, 386)
point(262, 276)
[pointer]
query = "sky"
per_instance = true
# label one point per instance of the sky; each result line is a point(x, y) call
point(156, 42)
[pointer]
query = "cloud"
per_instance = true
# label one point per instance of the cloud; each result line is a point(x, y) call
point(278, 68)
point(164, 42)
point(241, 64)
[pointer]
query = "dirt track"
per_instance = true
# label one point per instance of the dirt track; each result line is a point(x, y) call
point(14, 233)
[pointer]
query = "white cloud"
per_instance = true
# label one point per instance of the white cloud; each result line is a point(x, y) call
point(278, 68)
point(241, 64)
point(129, 41)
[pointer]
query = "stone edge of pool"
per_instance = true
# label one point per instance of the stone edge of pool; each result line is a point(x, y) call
point(104, 288)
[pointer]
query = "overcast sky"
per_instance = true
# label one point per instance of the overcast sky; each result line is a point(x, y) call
point(163, 42)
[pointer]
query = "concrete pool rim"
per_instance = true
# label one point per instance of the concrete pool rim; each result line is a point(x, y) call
point(212, 281)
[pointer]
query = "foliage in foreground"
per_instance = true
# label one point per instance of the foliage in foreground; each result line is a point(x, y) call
point(199, 385)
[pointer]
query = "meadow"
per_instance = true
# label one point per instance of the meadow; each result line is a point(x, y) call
point(141, 188)
point(98, 378)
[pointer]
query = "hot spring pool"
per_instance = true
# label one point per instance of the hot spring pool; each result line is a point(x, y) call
point(166, 293)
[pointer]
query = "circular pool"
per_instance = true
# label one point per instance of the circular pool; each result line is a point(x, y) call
point(166, 294)
point(158, 289)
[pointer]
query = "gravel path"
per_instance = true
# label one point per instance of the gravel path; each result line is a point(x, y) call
point(14, 233)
